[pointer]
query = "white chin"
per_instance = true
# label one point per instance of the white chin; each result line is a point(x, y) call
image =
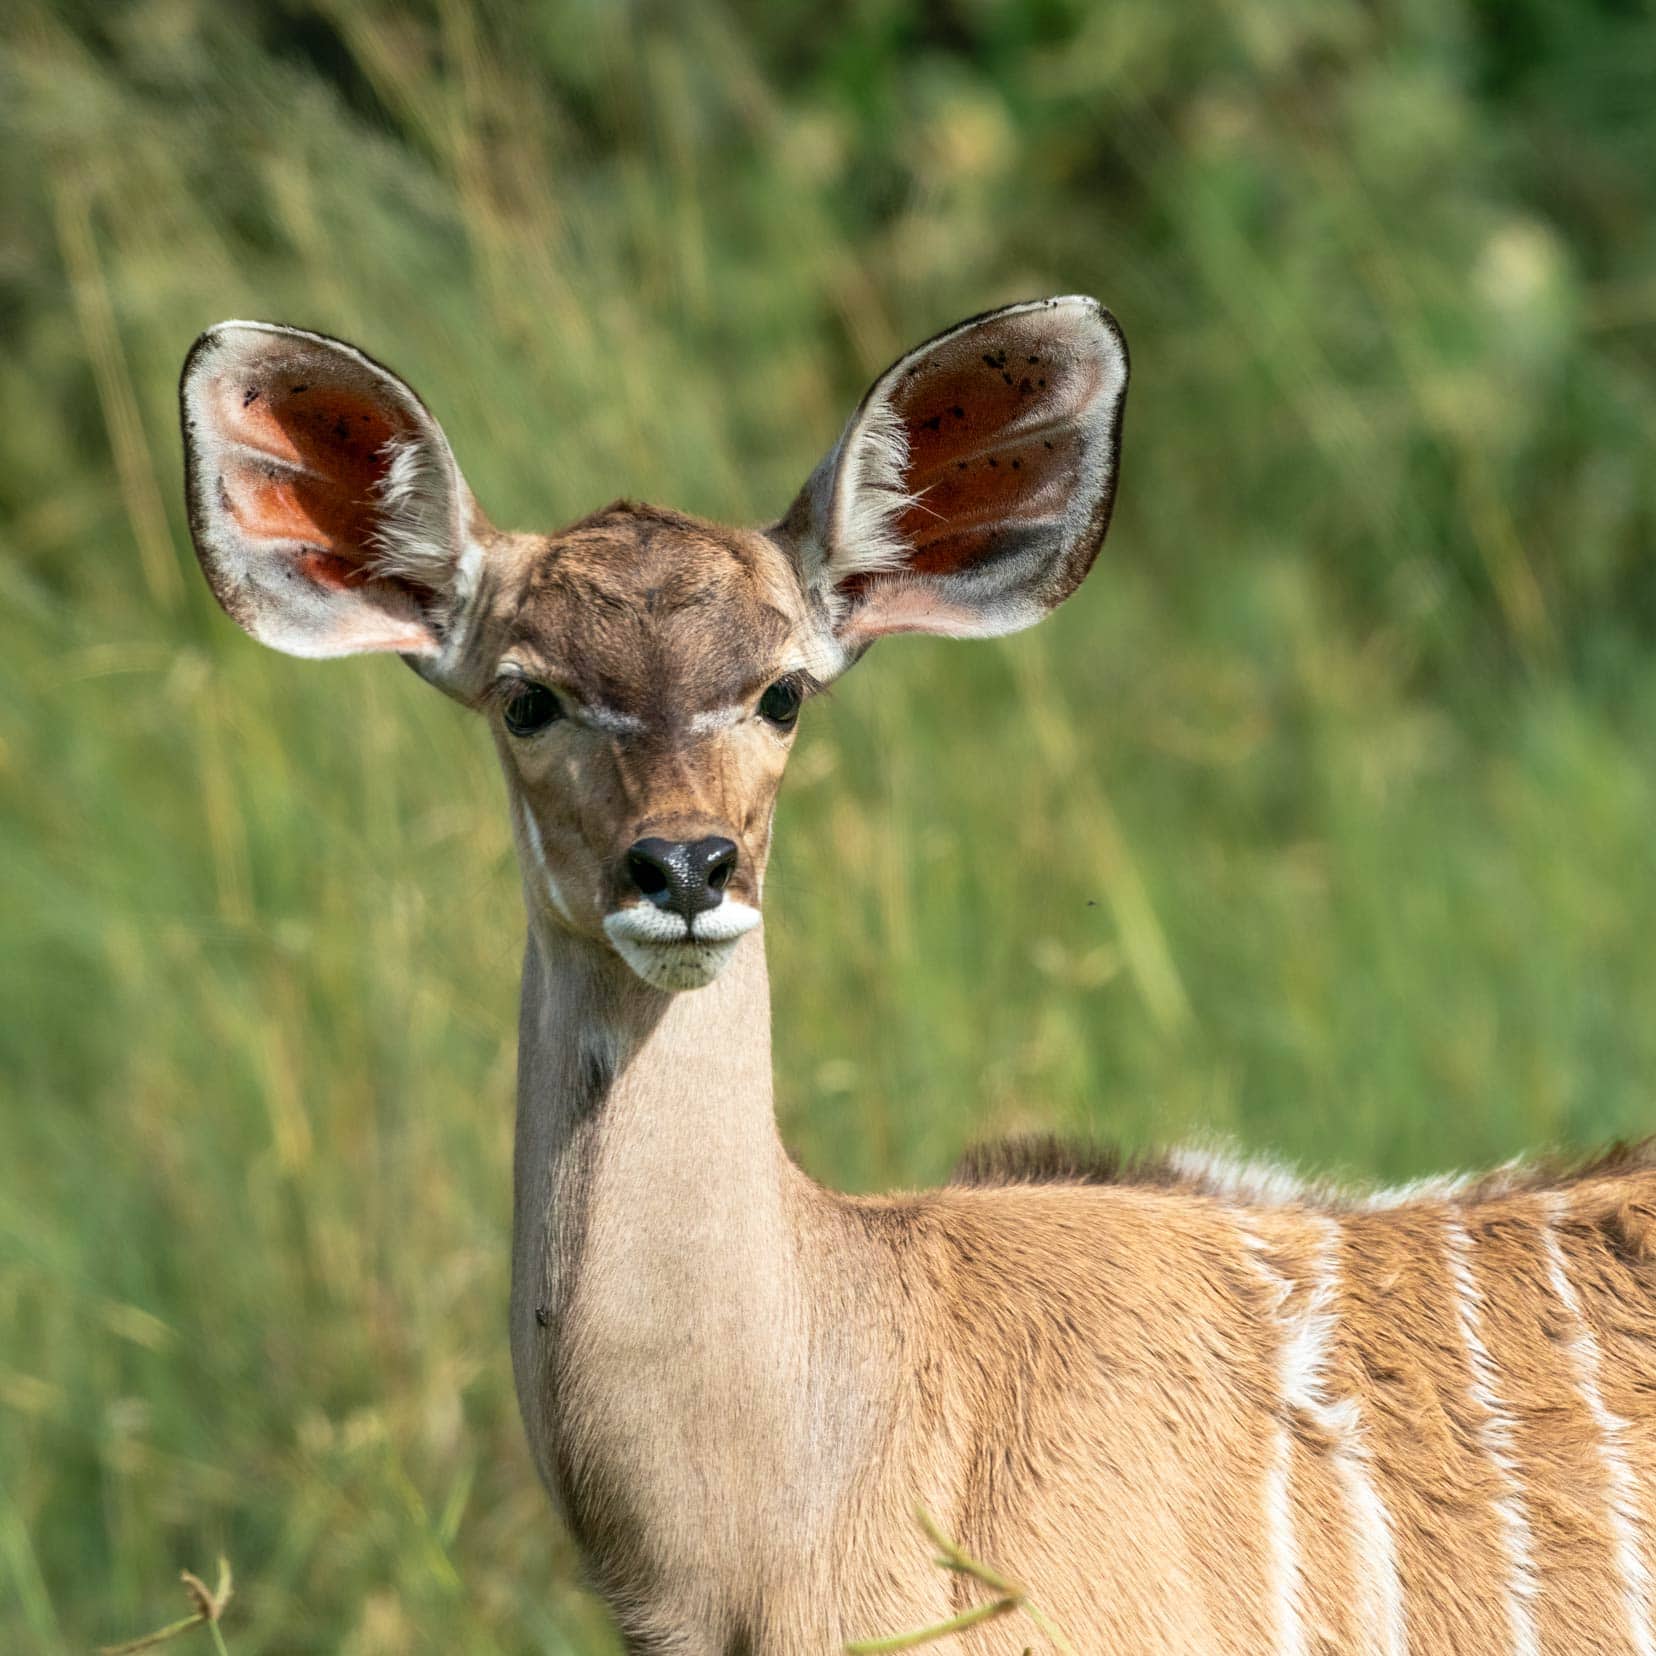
point(668, 954)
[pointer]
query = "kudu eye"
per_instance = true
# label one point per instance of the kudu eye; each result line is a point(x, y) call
point(530, 707)
point(780, 703)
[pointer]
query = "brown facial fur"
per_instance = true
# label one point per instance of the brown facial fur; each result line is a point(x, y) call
point(659, 633)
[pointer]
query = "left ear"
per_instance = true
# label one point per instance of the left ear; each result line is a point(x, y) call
point(971, 490)
point(326, 507)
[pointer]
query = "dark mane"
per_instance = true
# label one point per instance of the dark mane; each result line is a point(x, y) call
point(1044, 1158)
point(1613, 1160)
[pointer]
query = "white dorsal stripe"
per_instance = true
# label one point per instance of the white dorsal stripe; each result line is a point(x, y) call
point(1307, 1340)
point(1495, 1439)
point(1217, 1169)
point(1623, 1502)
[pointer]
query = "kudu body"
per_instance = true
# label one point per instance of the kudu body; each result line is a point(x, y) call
point(1195, 1408)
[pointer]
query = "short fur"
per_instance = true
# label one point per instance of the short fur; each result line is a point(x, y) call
point(1197, 1405)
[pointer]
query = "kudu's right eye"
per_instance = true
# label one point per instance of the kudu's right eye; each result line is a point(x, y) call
point(530, 708)
point(780, 703)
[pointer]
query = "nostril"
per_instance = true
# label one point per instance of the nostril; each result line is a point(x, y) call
point(647, 874)
point(685, 876)
point(714, 859)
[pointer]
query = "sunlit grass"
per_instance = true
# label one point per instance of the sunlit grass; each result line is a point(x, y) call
point(1320, 818)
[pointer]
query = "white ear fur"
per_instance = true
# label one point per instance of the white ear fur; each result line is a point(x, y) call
point(326, 507)
point(970, 491)
point(413, 532)
point(860, 496)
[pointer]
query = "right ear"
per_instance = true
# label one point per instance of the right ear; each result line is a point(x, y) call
point(970, 492)
point(325, 504)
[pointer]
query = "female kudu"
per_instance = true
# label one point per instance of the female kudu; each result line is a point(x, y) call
point(1198, 1409)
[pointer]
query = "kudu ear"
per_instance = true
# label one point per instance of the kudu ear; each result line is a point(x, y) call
point(325, 504)
point(971, 490)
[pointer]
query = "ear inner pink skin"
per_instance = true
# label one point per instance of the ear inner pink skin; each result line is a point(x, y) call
point(335, 441)
point(990, 442)
point(971, 490)
point(909, 607)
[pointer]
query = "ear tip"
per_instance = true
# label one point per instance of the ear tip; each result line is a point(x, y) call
point(1101, 314)
point(205, 345)
point(212, 342)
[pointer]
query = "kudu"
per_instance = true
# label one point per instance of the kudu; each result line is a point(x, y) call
point(1197, 1408)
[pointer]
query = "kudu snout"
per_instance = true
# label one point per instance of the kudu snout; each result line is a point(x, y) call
point(686, 877)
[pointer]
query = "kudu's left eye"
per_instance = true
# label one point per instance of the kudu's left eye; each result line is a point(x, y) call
point(529, 708)
point(780, 703)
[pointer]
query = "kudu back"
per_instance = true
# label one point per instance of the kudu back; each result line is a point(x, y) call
point(1194, 1407)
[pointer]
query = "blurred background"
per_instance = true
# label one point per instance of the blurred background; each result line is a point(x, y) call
point(1319, 820)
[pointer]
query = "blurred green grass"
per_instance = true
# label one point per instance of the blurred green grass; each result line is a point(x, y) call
point(1321, 818)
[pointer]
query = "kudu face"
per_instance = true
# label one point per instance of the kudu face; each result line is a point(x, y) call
point(647, 676)
point(642, 671)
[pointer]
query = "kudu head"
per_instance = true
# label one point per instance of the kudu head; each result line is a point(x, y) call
point(643, 671)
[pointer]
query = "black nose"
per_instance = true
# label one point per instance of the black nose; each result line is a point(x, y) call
point(686, 876)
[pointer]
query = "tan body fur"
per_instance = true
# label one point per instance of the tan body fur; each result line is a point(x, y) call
point(738, 1402)
point(1194, 1408)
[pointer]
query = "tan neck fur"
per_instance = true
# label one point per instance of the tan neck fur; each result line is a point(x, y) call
point(688, 1407)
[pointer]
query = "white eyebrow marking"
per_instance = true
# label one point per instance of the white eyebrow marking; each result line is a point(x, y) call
point(607, 718)
point(594, 715)
point(717, 718)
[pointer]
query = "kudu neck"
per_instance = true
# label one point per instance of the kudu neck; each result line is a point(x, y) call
point(600, 1041)
point(697, 1329)
point(648, 1169)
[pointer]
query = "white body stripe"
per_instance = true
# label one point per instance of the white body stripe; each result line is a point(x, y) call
point(1624, 1498)
point(1303, 1363)
point(1495, 1438)
point(1280, 1537)
point(1308, 1334)
point(1285, 1564)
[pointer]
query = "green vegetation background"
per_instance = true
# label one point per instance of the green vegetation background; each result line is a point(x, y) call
point(1321, 819)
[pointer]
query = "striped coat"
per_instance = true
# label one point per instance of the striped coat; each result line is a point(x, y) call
point(1419, 1420)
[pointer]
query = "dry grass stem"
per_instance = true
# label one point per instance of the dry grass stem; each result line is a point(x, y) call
point(1012, 1598)
point(209, 1611)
